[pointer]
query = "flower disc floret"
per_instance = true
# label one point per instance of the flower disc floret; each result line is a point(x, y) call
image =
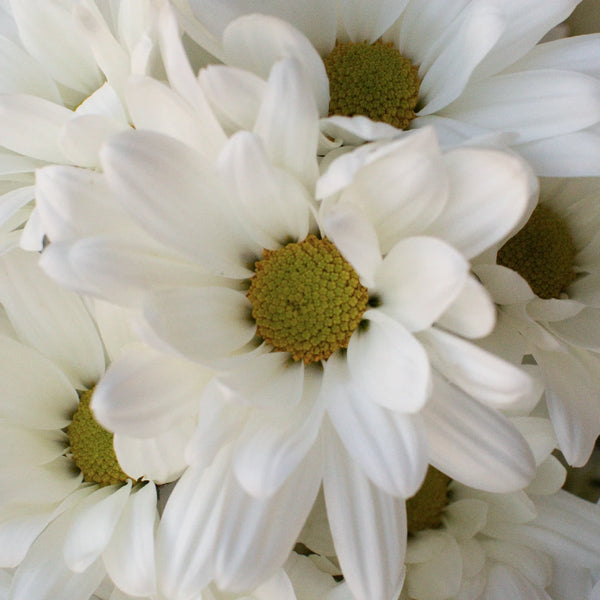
point(92, 446)
point(373, 80)
point(424, 510)
point(306, 299)
point(542, 252)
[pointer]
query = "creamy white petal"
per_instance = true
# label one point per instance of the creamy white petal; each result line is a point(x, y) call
point(352, 131)
point(418, 279)
point(489, 194)
point(464, 518)
point(506, 582)
point(367, 20)
point(390, 447)
point(92, 525)
point(14, 200)
point(287, 121)
point(145, 393)
point(129, 557)
point(505, 285)
point(368, 527)
point(275, 441)
point(48, 318)
point(582, 330)
point(550, 477)
point(478, 372)
point(23, 447)
point(539, 435)
point(273, 206)
point(201, 323)
point(475, 444)
point(33, 391)
point(178, 198)
point(256, 42)
point(533, 104)
point(586, 290)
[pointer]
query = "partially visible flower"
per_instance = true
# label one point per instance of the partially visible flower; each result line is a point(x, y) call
point(470, 69)
point(547, 285)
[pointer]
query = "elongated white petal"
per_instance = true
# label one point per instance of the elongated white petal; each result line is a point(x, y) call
point(201, 323)
point(388, 365)
point(93, 524)
point(475, 444)
point(389, 447)
point(489, 194)
point(418, 280)
point(367, 20)
point(582, 330)
point(368, 527)
point(34, 447)
point(129, 557)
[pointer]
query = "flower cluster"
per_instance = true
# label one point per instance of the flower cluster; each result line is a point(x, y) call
point(297, 300)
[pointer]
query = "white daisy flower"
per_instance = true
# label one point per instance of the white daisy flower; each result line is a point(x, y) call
point(321, 324)
point(70, 512)
point(468, 68)
point(547, 285)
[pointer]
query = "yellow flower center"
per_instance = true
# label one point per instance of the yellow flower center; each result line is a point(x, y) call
point(92, 446)
point(424, 510)
point(542, 253)
point(373, 80)
point(306, 299)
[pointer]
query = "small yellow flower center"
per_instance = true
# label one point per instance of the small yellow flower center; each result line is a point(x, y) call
point(542, 253)
point(373, 80)
point(306, 299)
point(424, 510)
point(92, 446)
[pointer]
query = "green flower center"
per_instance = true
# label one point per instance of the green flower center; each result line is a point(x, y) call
point(542, 253)
point(306, 299)
point(424, 510)
point(373, 80)
point(92, 446)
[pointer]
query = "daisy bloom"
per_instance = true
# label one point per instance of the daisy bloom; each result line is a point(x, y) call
point(70, 509)
point(469, 68)
point(326, 321)
point(546, 283)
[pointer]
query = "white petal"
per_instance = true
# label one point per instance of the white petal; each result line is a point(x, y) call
point(389, 447)
point(347, 226)
point(505, 285)
point(472, 314)
point(489, 194)
point(586, 290)
point(12, 201)
point(129, 557)
point(287, 121)
point(504, 582)
point(53, 321)
point(144, 392)
point(256, 42)
point(35, 447)
point(353, 131)
point(533, 104)
point(33, 391)
point(539, 435)
point(176, 196)
point(274, 207)
point(582, 330)
point(478, 372)
point(93, 524)
point(275, 441)
point(368, 527)
point(418, 280)
point(465, 518)
point(202, 323)
point(475, 444)
point(549, 478)
point(388, 365)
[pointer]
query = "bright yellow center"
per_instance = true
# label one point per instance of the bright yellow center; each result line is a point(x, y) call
point(306, 299)
point(373, 80)
point(92, 446)
point(542, 253)
point(424, 510)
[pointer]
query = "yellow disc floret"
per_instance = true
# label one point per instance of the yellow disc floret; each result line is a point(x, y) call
point(542, 253)
point(92, 446)
point(373, 80)
point(306, 299)
point(424, 510)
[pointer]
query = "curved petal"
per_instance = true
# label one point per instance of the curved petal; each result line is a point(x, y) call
point(475, 444)
point(388, 365)
point(389, 447)
point(203, 324)
point(367, 20)
point(368, 527)
point(582, 330)
point(418, 279)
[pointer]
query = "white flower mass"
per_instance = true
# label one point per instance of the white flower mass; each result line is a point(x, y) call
point(298, 300)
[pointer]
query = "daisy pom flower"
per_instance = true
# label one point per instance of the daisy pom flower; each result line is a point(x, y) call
point(71, 509)
point(469, 68)
point(329, 307)
point(546, 283)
